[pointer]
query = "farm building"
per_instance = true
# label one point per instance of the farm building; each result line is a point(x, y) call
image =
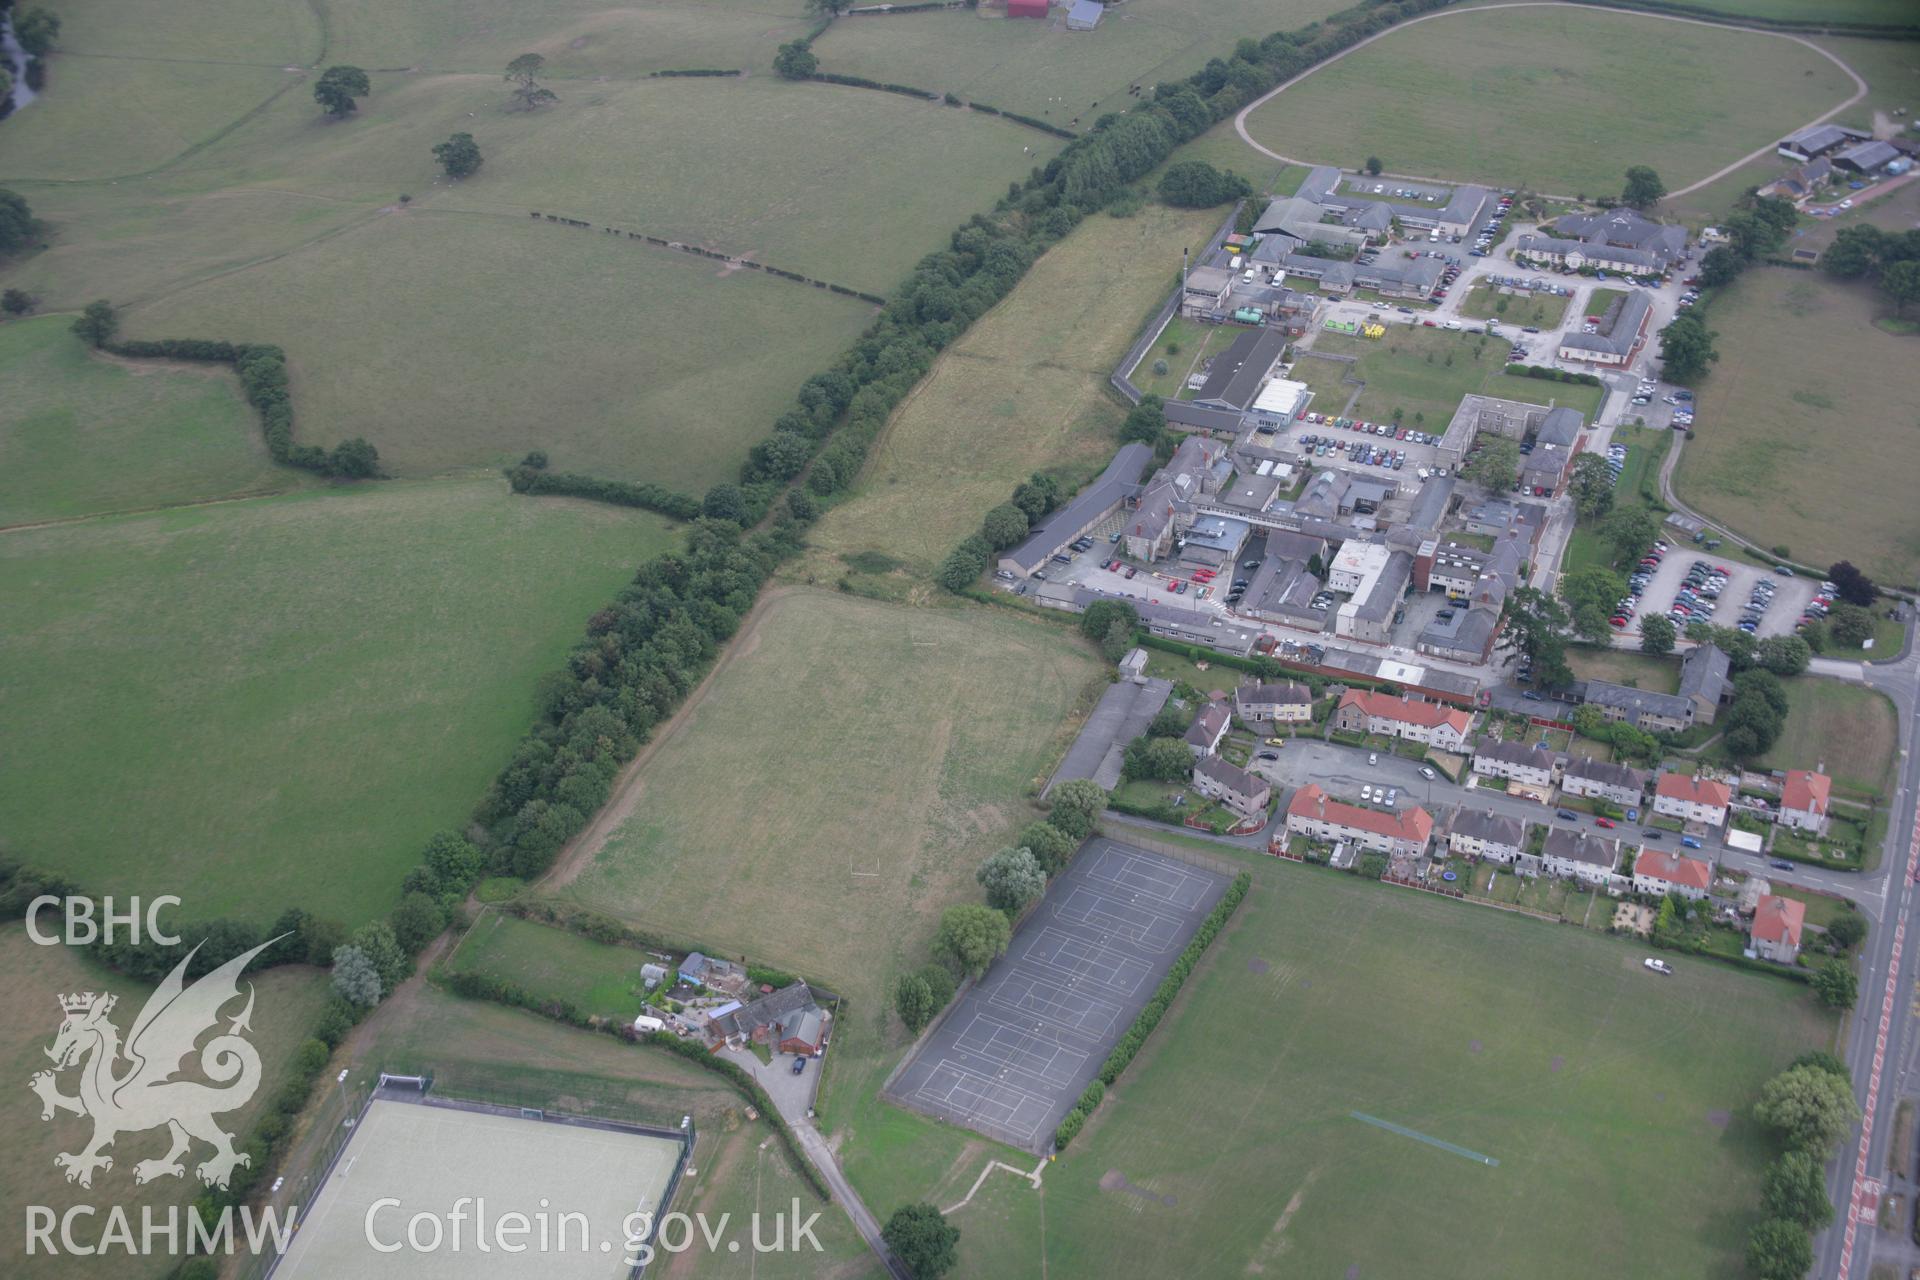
point(1026, 8)
point(1085, 15)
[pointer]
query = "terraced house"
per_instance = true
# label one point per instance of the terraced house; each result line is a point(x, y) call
point(1314, 814)
point(1433, 723)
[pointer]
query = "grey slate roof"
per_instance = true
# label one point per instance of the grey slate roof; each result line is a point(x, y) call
point(1605, 772)
point(1517, 753)
point(1468, 630)
point(1703, 673)
point(1576, 846)
point(1560, 427)
point(1237, 372)
point(1629, 313)
point(1636, 702)
point(1230, 776)
point(773, 1010)
point(1430, 505)
point(1117, 483)
point(1489, 826)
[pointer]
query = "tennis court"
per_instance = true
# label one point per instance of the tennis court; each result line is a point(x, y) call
point(1012, 1057)
point(487, 1163)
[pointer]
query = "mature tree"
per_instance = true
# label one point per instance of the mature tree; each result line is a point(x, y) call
point(1822, 1060)
point(1591, 594)
point(923, 1240)
point(972, 936)
point(1847, 930)
point(795, 61)
point(1076, 803)
point(417, 921)
point(1195, 184)
point(355, 979)
point(1779, 1250)
point(940, 981)
point(1854, 586)
point(1118, 640)
point(1644, 188)
point(1631, 533)
point(459, 155)
point(1796, 1189)
point(353, 459)
point(1374, 166)
point(1784, 655)
point(1157, 759)
point(1686, 347)
point(1012, 878)
point(1100, 616)
point(97, 324)
point(1900, 281)
point(389, 961)
point(1856, 251)
point(1496, 466)
point(1720, 266)
point(1809, 1106)
point(1591, 486)
point(964, 564)
point(449, 866)
point(1656, 634)
point(18, 226)
point(1004, 526)
point(1050, 845)
point(1146, 422)
point(913, 1001)
point(1537, 622)
point(1750, 235)
point(36, 30)
point(725, 502)
point(1371, 866)
point(1849, 625)
point(17, 302)
point(522, 74)
point(1835, 984)
point(337, 87)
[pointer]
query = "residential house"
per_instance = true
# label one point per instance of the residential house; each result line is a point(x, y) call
point(1574, 855)
point(1658, 872)
point(1273, 703)
point(1533, 767)
point(1603, 780)
point(1314, 814)
point(1204, 734)
point(1692, 799)
point(1803, 800)
point(1489, 836)
point(1704, 681)
point(1245, 793)
point(1775, 932)
point(788, 1021)
point(1433, 723)
point(1642, 708)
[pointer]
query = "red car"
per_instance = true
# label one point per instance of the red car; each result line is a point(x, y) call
point(1603, 822)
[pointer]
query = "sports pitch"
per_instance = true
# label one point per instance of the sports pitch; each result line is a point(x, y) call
point(428, 1156)
point(1023, 1043)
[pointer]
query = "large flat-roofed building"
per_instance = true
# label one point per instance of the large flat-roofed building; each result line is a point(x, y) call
point(1204, 291)
point(1213, 542)
point(1234, 381)
point(1451, 211)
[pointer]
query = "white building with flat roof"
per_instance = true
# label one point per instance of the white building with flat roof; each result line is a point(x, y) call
point(1279, 402)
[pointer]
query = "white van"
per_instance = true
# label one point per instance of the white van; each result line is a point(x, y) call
point(643, 1023)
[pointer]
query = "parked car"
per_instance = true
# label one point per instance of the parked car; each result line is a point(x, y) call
point(799, 1064)
point(1781, 864)
point(1658, 966)
point(1604, 822)
point(1690, 842)
point(1531, 695)
point(1566, 815)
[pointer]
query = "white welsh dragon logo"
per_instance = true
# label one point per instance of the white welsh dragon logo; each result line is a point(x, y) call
point(145, 1095)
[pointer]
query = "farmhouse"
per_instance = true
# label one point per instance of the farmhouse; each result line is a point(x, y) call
point(1701, 800)
point(1488, 835)
point(1432, 723)
point(1803, 800)
point(1603, 780)
point(1311, 813)
point(1532, 767)
point(1622, 331)
point(1802, 181)
point(1573, 855)
point(788, 1020)
point(1818, 140)
point(1775, 932)
point(1117, 486)
point(1204, 734)
point(1246, 794)
point(1658, 872)
point(1273, 703)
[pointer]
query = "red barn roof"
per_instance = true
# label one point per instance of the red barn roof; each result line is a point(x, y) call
point(1026, 8)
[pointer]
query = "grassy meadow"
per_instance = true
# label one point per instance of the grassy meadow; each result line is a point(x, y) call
point(602, 980)
point(275, 701)
point(1626, 667)
point(1041, 69)
point(1802, 436)
point(1454, 98)
point(81, 433)
point(1023, 390)
point(849, 767)
point(1848, 731)
point(1615, 1104)
point(288, 999)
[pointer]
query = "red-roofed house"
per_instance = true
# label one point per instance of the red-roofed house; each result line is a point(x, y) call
point(1433, 723)
point(1312, 813)
point(1776, 928)
point(1699, 800)
point(1658, 872)
point(1803, 801)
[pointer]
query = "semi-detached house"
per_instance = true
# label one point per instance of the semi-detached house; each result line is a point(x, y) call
point(1658, 872)
point(1489, 836)
point(1245, 793)
point(1532, 766)
point(1701, 800)
point(1603, 780)
point(1804, 800)
point(1432, 723)
point(1574, 855)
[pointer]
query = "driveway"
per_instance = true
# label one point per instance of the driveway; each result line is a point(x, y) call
point(792, 1094)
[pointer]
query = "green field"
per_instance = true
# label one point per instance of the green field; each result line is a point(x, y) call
point(1847, 731)
point(1896, 12)
point(1408, 370)
point(1544, 310)
point(1024, 390)
point(1043, 70)
point(854, 801)
point(602, 980)
point(1615, 1103)
point(1802, 439)
point(1626, 667)
point(1451, 99)
point(273, 702)
point(81, 434)
point(1638, 485)
point(288, 999)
